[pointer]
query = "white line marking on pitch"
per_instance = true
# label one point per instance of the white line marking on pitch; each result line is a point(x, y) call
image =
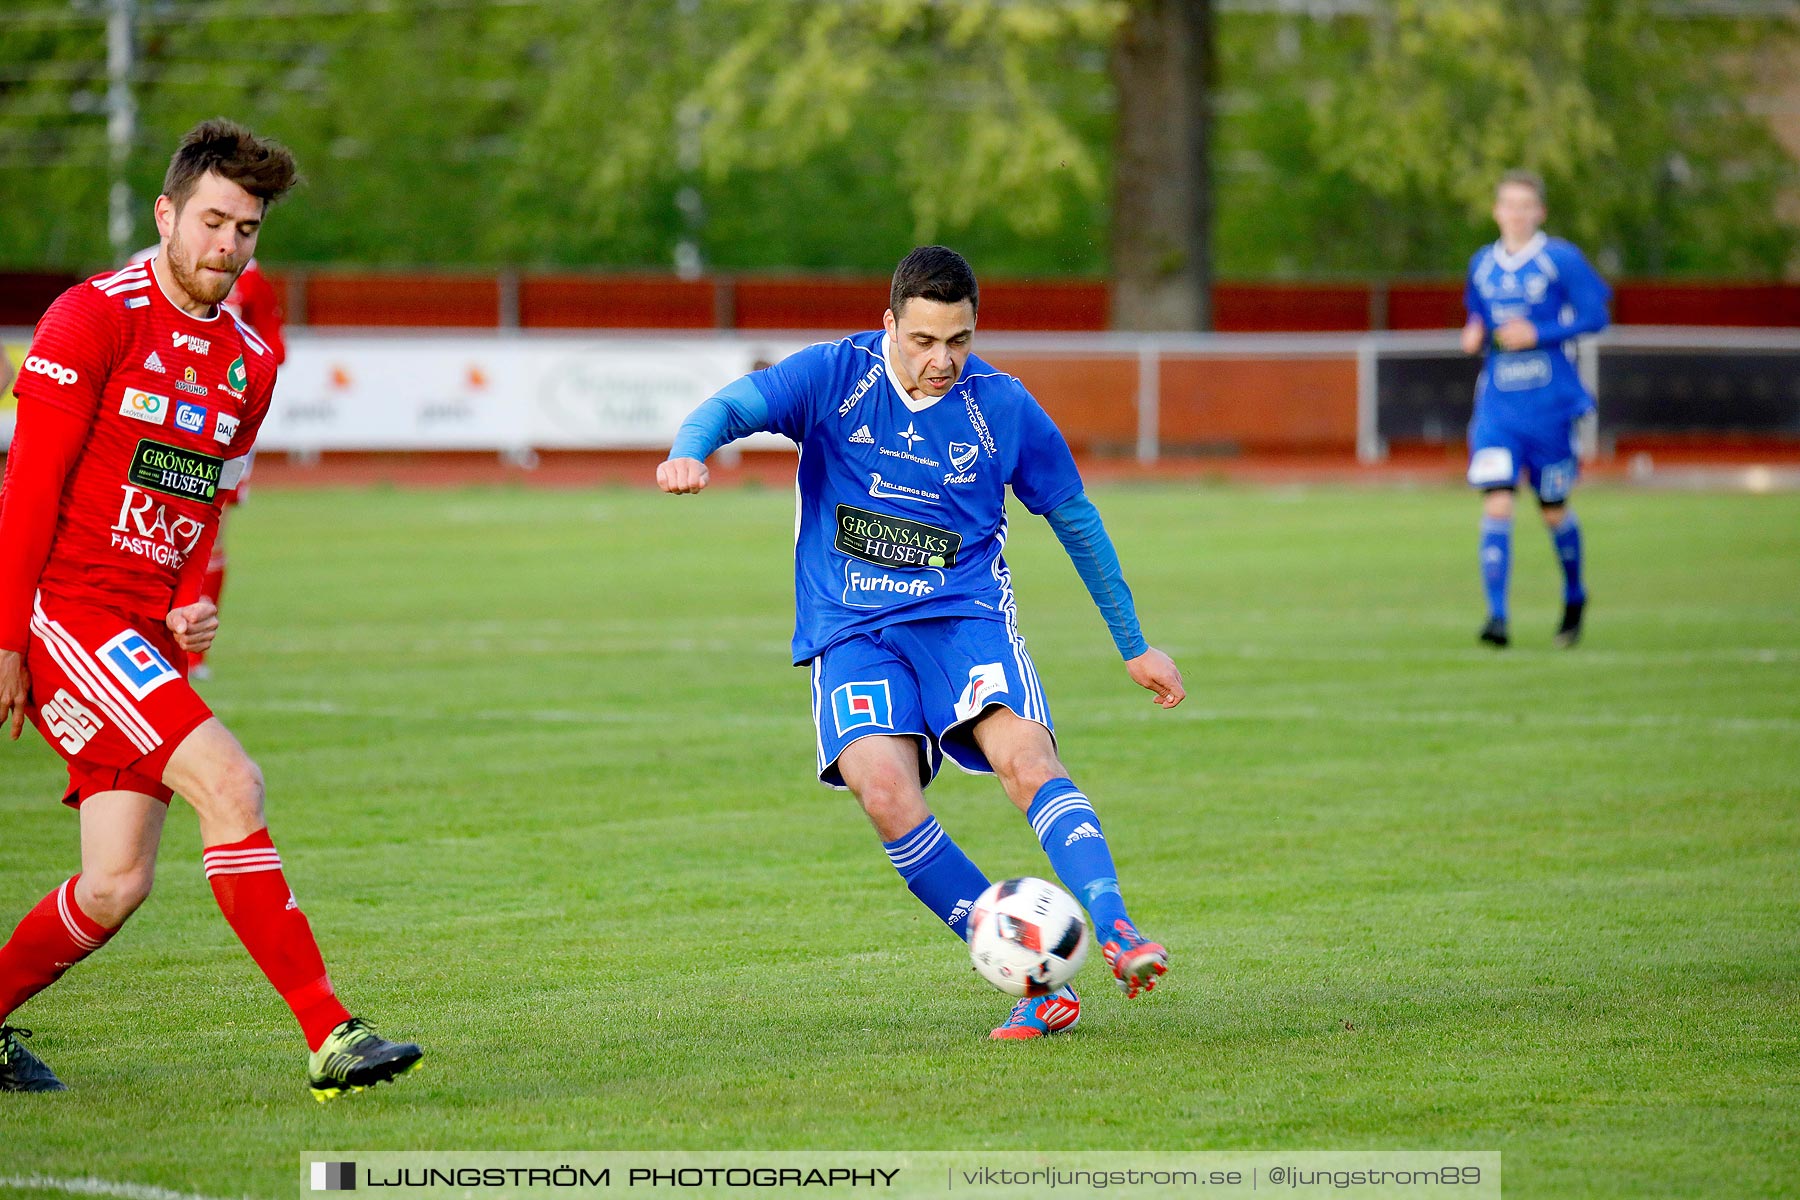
point(1295, 713)
point(1354, 716)
point(89, 1186)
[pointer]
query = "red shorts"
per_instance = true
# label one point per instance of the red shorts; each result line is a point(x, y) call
point(107, 695)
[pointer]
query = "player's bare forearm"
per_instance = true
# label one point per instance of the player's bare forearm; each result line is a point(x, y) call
point(15, 688)
point(682, 476)
point(1474, 336)
point(1156, 672)
point(1516, 334)
point(194, 625)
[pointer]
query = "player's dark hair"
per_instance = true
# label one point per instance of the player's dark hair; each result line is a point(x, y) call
point(261, 166)
point(934, 273)
point(1528, 179)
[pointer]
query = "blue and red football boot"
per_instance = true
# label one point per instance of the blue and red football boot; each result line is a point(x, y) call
point(1041, 1016)
point(1135, 962)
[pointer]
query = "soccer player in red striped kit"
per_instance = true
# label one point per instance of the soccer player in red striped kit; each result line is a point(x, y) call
point(254, 302)
point(138, 403)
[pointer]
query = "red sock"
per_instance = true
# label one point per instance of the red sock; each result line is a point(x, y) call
point(253, 894)
point(53, 937)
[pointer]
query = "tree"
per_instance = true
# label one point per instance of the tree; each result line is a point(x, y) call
point(1049, 137)
point(956, 114)
point(1163, 76)
point(963, 107)
point(1635, 116)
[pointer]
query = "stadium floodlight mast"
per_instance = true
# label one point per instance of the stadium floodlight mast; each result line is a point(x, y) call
point(121, 122)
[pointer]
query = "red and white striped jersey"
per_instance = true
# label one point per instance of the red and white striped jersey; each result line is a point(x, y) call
point(253, 301)
point(172, 404)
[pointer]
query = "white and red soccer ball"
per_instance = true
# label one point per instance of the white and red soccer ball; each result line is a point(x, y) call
point(1027, 937)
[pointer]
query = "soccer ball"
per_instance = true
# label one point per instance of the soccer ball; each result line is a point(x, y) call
point(1027, 937)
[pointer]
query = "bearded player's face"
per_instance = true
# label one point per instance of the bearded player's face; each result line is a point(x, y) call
point(211, 238)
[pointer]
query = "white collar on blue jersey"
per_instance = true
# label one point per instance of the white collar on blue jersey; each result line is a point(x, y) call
point(1527, 252)
point(887, 359)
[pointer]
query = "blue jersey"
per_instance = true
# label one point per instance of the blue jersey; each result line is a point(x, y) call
point(1551, 285)
point(903, 502)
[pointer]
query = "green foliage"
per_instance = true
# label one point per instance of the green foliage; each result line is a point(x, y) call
point(831, 136)
point(1638, 124)
point(880, 123)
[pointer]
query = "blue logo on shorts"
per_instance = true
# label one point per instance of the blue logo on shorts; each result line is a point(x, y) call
point(137, 664)
point(1557, 480)
point(858, 704)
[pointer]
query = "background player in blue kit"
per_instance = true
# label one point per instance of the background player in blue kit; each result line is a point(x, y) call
point(1529, 297)
point(904, 604)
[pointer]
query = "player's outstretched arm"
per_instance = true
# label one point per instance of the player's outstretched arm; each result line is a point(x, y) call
point(1078, 527)
point(737, 410)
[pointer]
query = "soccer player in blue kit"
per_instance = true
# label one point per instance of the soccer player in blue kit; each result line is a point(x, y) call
point(1528, 297)
point(904, 603)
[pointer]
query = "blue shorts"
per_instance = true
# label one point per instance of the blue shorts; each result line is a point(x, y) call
point(1500, 454)
point(926, 679)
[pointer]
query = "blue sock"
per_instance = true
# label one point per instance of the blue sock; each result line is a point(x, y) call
point(1069, 830)
point(938, 873)
point(1567, 539)
point(1496, 561)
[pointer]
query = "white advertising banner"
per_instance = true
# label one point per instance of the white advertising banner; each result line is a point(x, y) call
point(508, 393)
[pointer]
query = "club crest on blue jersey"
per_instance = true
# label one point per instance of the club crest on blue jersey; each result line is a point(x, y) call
point(137, 664)
point(862, 704)
point(962, 455)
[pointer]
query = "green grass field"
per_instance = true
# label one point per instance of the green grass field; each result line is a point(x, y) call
point(542, 778)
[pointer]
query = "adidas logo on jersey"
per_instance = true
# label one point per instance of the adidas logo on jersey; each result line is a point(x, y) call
point(1084, 830)
point(154, 363)
point(863, 437)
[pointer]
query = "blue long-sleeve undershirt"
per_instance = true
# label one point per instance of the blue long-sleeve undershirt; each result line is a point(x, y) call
point(740, 409)
point(1588, 296)
point(1077, 525)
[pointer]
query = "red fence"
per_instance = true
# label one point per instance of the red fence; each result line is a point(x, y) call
point(337, 299)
